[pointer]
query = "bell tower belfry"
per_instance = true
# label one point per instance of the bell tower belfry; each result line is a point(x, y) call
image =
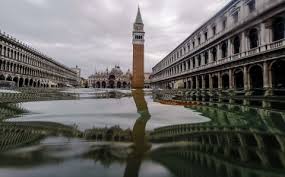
point(138, 53)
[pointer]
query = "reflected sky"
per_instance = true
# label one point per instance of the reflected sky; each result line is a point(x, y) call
point(89, 113)
point(218, 153)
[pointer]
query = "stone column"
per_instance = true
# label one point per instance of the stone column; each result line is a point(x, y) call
point(191, 63)
point(268, 31)
point(245, 78)
point(202, 59)
point(210, 57)
point(196, 62)
point(219, 52)
point(203, 82)
point(230, 48)
point(243, 42)
point(197, 82)
point(266, 85)
point(210, 82)
point(191, 83)
point(220, 81)
point(262, 34)
point(231, 83)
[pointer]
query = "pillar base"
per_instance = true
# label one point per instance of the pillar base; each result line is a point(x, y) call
point(268, 92)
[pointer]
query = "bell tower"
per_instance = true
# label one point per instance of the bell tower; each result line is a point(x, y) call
point(138, 53)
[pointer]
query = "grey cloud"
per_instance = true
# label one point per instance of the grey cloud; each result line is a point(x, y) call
point(97, 33)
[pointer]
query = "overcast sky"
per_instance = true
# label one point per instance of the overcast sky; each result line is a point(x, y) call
point(96, 34)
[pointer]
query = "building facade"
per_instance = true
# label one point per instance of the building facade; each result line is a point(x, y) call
point(27, 67)
point(113, 79)
point(77, 70)
point(242, 47)
point(138, 53)
point(147, 80)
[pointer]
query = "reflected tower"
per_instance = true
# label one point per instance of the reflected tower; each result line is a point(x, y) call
point(141, 145)
point(138, 53)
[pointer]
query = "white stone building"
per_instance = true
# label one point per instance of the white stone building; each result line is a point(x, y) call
point(110, 79)
point(242, 47)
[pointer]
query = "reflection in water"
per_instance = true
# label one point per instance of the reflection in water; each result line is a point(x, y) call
point(240, 141)
point(141, 145)
point(8, 110)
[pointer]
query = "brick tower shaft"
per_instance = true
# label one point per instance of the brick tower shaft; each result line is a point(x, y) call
point(138, 53)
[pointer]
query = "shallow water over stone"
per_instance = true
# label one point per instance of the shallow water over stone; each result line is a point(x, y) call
point(227, 140)
point(88, 113)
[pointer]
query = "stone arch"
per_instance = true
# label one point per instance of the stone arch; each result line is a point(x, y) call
point(111, 84)
point(103, 84)
point(200, 81)
point(207, 81)
point(238, 79)
point(215, 81)
point(225, 81)
point(277, 74)
point(125, 84)
point(38, 83)
point(278, 28)
point(9, 78)
point(256, 77)
point(21, 82)
point(253, 38)
point(119, 84)
point(27, 82)
point(224, 49)
point(112, 77)
point(214, 53)
point(31, 82)
point(189, 84)
point(194, 82)
point(16, 80)
point(98, 84)
point(2, 77)
point(236, 45)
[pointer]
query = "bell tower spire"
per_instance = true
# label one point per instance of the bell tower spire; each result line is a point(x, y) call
point(138, 52)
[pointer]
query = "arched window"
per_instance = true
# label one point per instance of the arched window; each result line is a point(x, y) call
point(236, 43)
point(199, 60)
point(256, 77)
point(251, 6)
point(278, 29)
point(278, 79)
point(214, 54)
point(206, 57)
point(224, 48)
point(253, 38)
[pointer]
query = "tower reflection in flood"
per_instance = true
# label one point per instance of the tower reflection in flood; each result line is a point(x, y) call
point(141, 145)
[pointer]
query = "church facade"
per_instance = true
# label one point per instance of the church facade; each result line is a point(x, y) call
point(115, 78)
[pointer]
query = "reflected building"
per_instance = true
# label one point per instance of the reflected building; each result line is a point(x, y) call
point(240, 134)
point(17, 134)
point(199, 161)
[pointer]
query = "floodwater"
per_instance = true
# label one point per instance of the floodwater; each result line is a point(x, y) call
point(66, 155)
